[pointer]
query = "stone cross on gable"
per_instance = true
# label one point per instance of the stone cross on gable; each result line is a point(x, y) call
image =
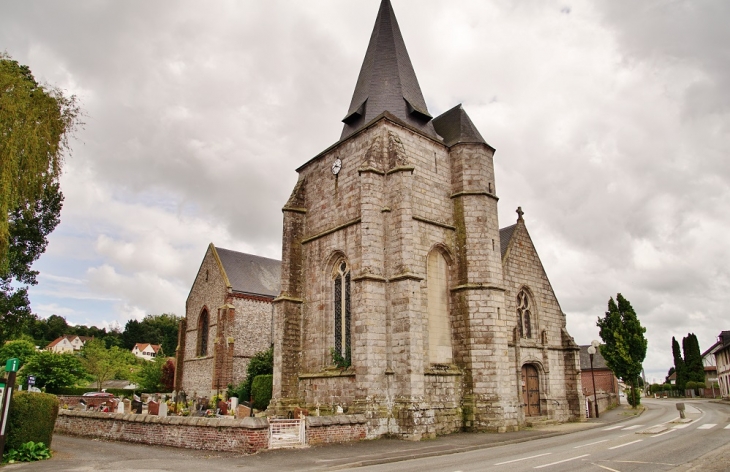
point(519, 213)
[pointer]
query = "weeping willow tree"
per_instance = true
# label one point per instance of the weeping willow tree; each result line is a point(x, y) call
point(36, 122)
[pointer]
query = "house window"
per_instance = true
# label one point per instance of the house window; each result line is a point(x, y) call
point(203, 334)
point(524, 314)
point(439, 326)
point(341, 287)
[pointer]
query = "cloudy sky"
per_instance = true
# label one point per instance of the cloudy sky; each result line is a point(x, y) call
point(611, 121)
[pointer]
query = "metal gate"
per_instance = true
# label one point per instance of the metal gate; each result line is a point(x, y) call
point(286, 433)
point(531, 390)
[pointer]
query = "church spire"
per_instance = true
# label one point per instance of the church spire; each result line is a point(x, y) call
point(387, 81)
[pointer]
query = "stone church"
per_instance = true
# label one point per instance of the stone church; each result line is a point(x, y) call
point(228, 317)
point(401, 298)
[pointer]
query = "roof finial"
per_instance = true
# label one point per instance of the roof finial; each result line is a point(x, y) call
point(520, 213)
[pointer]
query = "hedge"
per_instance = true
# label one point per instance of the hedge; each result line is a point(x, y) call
point(32, 417)
point(261, 391)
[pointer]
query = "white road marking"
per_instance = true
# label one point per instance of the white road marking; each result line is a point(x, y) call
point(590, 444)
point(628, 443)
point(707, 426)
point(680, 426)
point(665, 432)
point(560, 462)
point(636, 426)
point(727, 427)
point(607, 468)
point(524, 458)
point(613, 427)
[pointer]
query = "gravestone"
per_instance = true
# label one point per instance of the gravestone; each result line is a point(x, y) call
point(153, 408)
point(162, 411)
point(121, 407)
point(222, 407)
point(242, 411)
point(137, 407)
point(127, 405)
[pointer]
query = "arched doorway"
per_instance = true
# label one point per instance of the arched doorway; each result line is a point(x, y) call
point(531, 390)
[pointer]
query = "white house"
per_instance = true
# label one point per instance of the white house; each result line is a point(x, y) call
point(146, 351)
point(68, 343)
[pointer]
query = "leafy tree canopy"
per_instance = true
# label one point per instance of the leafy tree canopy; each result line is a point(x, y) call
point(35, 124)
point(679, 366)
point(693, 358)
point(52, 370)
point(154, 329)
point(22, 349)
point(624, 347)
point(104, 364)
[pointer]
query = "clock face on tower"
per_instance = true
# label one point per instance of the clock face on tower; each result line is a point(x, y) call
point(336, 166)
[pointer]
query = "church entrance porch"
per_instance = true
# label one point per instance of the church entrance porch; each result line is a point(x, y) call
point(531, 390)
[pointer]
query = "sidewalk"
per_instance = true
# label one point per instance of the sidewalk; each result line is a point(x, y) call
point(73, 453)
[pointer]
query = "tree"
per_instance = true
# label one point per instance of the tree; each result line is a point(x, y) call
point(154, 329)
point(14, 310)
point(624, 347)
point(679, 366)
point(168, 376)
point(693, 359)
point(105, 364)
point(19, 349)
point(52, 370)
point(35, 124)
point(149, 377)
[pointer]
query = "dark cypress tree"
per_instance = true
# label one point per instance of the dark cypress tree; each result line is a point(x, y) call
point(679, 367)
point(693, 359)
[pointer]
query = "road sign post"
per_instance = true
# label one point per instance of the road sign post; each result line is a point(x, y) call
point(11, 367)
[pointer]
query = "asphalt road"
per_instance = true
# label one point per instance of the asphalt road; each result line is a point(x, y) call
point(650, 442)
point(656, 441)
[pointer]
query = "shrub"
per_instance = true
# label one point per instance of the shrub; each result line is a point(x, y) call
point(691, 385)
point(31, 418)
point(261, 390)
point(28, 452)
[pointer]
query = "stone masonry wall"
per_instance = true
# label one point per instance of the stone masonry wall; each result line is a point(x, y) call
point(209, 292)
point(546, 348)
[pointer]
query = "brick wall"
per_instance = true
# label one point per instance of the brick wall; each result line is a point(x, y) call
point(247, 435)
point(605, 382)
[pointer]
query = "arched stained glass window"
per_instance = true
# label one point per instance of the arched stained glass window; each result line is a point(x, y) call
point(341, 287)
point(203, 323)
point(524, 315)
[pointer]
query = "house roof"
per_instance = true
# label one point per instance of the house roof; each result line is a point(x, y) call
point(598, 361)
point(505, 234)
point(143, 346)
point(249, 274)
point(455, 127)
point(387, 81)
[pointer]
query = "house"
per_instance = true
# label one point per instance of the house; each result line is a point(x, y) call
point(710, 364)
point(401, 297)
point(146, 351)
point(606, 381)
point(68, 343)
point(228, 316)
point(722, 360)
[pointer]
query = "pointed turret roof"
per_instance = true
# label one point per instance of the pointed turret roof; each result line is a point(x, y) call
point(387, 81)
point(455, 126)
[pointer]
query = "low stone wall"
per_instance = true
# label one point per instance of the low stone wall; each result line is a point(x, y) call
point(336, 429)
point(247, 435)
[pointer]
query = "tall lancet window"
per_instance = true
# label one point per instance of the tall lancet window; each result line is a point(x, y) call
point(203, 334)
point(524, 314)
point(439, 324)
point(341, 285)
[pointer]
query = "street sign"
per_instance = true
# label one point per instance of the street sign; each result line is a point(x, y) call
point(31, 380)
point(12, 365)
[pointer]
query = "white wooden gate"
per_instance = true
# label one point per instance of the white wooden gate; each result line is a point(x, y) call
point(286, 433)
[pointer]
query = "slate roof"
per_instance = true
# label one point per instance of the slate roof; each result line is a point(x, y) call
point(455, 126)
point(249, 274)
point(505, 234)
point(585, 360)
point(387, 81)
